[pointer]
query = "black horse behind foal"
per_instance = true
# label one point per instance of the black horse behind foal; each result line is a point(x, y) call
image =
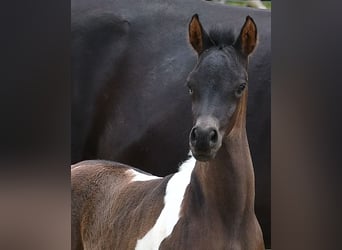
point(130, 62)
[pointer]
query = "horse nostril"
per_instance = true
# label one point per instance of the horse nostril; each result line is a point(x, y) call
point(213, 136)
point(194, 134)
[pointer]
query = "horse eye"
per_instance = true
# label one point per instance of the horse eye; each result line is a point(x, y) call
point(190, 91)
point(241, 87)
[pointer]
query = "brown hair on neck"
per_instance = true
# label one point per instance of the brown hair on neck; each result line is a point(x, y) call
point(237, 124)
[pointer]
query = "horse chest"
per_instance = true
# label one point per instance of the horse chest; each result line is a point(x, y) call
point(203, 232)
point(200, 237)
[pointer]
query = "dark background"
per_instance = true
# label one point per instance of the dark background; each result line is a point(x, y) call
point(35, 125)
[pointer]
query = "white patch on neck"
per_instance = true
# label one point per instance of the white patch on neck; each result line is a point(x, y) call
point(137, 176)
point(170, 214)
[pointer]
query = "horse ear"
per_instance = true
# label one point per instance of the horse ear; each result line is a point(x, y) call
point(247, 40)
point(199, 39)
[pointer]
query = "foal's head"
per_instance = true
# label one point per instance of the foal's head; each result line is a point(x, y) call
point(217, 83)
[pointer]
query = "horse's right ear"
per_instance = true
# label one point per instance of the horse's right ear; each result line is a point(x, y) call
point(198, 38)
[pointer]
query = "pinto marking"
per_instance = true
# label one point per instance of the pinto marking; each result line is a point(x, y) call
point(170, 214)
point(138, 176)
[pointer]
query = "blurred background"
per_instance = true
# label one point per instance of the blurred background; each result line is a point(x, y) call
point(247, 3)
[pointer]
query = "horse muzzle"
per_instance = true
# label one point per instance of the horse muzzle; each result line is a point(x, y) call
point(204, 141)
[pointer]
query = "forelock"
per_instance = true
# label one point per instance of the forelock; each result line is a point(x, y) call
point(222, 38)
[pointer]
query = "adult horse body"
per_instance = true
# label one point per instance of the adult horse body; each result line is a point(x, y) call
point(208, 204)
point(130, 60)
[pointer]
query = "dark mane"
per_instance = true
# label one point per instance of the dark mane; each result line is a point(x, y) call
point(222, 37)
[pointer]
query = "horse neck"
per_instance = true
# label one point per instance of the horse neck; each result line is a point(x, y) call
point(227, 181)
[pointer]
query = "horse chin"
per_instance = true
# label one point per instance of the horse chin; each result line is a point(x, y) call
point(203, 156)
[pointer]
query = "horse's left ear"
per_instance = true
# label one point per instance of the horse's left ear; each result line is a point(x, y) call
point(247, 40)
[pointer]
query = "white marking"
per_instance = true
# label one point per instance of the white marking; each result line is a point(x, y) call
point(79, 166)
point(137, 176)
point(170, 214)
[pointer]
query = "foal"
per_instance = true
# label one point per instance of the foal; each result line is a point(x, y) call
point(208, 203)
